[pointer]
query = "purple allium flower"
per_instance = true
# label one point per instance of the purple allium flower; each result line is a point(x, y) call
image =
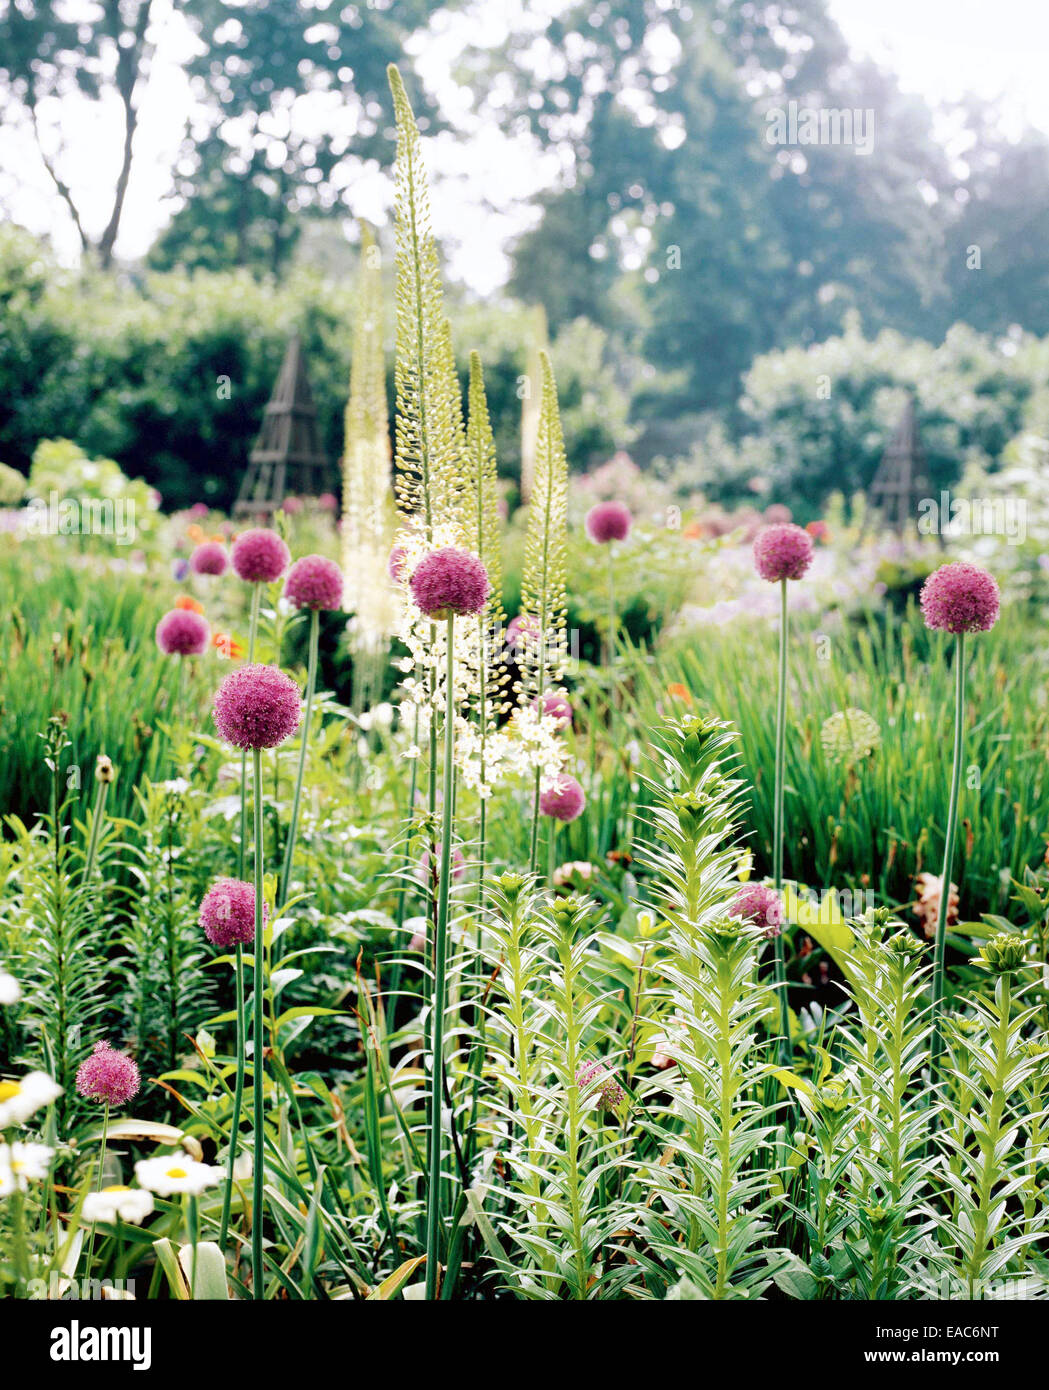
point(422, 873)
point(556, 706)
point(960, 598)
point(257, 707)
point(521, 629)
point(449, 581)
point(291, 505)
point(209, 558)
point(776, 514)
point(198, 510)
point(782, 552)
point(608, 521)
point(564, 801)
point(327, 502)
point(227, 912)
point(108, 1075)
point(607, 1089)
point(182, 633)
point(395, 564)
point(314, 582)
point(760, 905)
point(260, 556)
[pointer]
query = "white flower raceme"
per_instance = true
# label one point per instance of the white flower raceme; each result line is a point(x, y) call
point(20, 1099)
point(21, 1164)
point(130, 1204)
point(176, 1174)
point(10, 990)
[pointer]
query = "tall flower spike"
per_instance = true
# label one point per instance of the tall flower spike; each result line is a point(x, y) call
point(428, 445)
point(543, 579)
point(482, 528)
point(367, 520)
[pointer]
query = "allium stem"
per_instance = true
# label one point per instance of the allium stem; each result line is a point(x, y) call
point(238, 1095)
point(948, 857)
point(611, 610)
point(304, 737)
point(440, 960)
point(258, 1080)
point(780, 968)
point(96, 827)
point(253, 625)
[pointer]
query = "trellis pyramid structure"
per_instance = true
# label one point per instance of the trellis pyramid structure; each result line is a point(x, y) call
point(900, 482)
point(287, 459)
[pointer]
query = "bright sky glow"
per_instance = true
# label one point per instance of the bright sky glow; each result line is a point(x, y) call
point(940, 49)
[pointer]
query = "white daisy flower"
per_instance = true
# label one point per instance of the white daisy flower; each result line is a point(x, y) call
point(23, 1164)
point(20, 1099)
point(131, 1204)
point(10, 989)
point(176, 1174)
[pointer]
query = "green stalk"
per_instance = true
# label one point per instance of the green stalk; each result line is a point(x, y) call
point(780, 967)
point(533, 854)
point(96, 826)
point(433, 1195)
point(293, 831)
point(948, 857)
point(98, 1184)
point(253, 624)
point(611, 615)
point(257, 1278)
point(238, 1097)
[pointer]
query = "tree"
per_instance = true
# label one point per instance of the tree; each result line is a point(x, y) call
point(107, 50)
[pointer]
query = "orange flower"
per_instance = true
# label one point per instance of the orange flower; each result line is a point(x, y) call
point(818, 530)
point(677, 691)
point(189, 604)
point(693, 531)
point(195, 532)
point(227, 645)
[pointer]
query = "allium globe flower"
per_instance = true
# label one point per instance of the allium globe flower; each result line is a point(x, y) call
point(850, 736)
point(180, 633)
point(556, 706)
point(521, 628)
point(776, 514)
point(209, 558)
point(449, 580)
point(608, 521)
point(782, 552)
point(291, 506)
point(606, 1089)
point(260, 556)
point(564, 801)
point(396, 563)
point(328, 502)
point(257, 707)
point(227, 912)
point(314, 582)
point(960, 598)
point(107, 1075)
point(759, 905)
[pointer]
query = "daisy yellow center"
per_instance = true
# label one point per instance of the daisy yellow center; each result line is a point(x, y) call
point(9, 1089)
point(116, 1188)
point(177, 1173)
point(17, 1164)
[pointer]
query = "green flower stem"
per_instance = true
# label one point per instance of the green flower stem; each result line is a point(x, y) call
point(780, 968)
point(96, 828)
point(533, 854)
point(440, 959)
point(253, 625)
point(948, 857)
point(611, 615)
point(98, 1183)
point(257, 1277)
point(293, 830)
point(238, 1098)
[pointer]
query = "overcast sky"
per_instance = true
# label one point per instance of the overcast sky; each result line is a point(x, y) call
point(939, 48)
